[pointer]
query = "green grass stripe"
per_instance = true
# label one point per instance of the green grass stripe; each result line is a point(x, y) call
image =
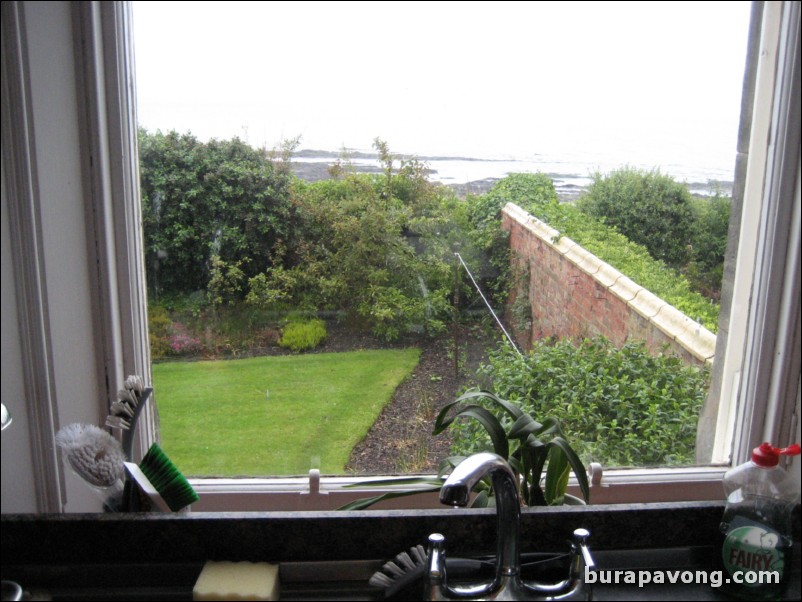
point(270, 416)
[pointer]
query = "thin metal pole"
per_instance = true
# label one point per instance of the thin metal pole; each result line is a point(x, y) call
point(495, 317)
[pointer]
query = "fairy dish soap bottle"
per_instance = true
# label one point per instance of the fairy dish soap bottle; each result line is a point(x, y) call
point(756, 527)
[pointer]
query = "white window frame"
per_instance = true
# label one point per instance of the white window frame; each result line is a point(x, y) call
point(762, 355)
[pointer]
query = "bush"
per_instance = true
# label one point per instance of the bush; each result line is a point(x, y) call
point(181, 342)
point(225, 281)
point(486, 234)
point(523, 189)
point(300, 336)
point(159, 329)
point(649, 208)
point(384, 261)
point(709, 243)
point(620, 407)
point(201, 199)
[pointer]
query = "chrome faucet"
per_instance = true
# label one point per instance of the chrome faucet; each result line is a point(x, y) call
point(506, 584)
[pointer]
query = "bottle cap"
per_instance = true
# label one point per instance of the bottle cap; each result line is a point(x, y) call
point(768, 456)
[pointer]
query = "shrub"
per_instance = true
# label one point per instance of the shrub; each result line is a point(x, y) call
point(709, 243)
point(225, 281)
point(385, 261)
point(523, 189)
point(649, 208)
point(484, 212)
point(183, 343)
point(619, 406)
point(159, 329)
point(201, 199)
point(300, 336)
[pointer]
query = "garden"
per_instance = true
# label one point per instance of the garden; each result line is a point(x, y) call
point(350, 285)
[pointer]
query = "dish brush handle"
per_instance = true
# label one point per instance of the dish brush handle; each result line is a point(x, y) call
point(128, 436)
point(131, 501)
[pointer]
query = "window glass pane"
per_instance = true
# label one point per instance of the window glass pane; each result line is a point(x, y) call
point(322, 186)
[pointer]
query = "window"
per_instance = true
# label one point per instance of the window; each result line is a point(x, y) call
point(58, 264)
point(179, 55)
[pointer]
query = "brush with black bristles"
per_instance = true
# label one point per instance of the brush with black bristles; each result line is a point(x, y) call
point(400, 578)
point(162, 481)
point(123, 416)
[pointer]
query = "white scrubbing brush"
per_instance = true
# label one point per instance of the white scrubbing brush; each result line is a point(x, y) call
point(96, 457)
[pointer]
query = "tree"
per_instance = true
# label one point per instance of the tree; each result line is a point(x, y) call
point(378, 248)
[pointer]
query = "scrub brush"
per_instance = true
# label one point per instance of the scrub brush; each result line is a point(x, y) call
point(123, 416)
point(408, 568)
point(399, 578)
point(124, 413)
point(405, 563)
point(159, 478)
point(97, 458)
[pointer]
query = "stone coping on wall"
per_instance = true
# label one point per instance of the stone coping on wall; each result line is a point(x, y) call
point(687, 333)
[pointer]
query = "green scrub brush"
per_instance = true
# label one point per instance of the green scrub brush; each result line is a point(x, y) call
point(159, 478)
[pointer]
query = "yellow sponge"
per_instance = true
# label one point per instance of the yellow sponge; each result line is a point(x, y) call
point(237, 581)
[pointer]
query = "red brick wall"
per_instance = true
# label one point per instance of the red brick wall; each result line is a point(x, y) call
point(573, 294)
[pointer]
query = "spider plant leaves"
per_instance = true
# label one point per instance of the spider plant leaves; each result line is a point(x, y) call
point(441, 422)
point(482, 499)
point(491, 424)
point(556, 475)
point(383, 482)
point(366, 502)
point(426, 485)
point(575, 463)
point(525, 426)
point(448, 464)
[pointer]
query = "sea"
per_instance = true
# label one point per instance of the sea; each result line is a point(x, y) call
point(571, 172)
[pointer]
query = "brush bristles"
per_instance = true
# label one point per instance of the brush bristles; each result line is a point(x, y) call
point(94, 454)
point(167, 479)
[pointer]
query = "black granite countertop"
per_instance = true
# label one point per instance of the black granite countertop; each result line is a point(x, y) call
point(355, 535)
point(162, 554)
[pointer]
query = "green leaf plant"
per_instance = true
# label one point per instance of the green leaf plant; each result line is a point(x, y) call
point(527, 445)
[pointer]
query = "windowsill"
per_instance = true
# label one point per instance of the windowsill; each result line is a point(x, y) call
point(300, 493)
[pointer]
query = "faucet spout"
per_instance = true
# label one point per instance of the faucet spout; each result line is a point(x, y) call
point(456, 491)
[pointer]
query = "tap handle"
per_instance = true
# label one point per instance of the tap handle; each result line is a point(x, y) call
point(581, 546)
point(436, 560)
point(435, 576)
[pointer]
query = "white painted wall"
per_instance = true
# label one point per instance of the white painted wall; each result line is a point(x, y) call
point(17, 464)
point(54, 109)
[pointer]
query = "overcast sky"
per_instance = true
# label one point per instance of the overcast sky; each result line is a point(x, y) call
point(483, 78)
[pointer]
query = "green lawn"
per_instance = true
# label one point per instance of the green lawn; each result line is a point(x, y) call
point(274, 415)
